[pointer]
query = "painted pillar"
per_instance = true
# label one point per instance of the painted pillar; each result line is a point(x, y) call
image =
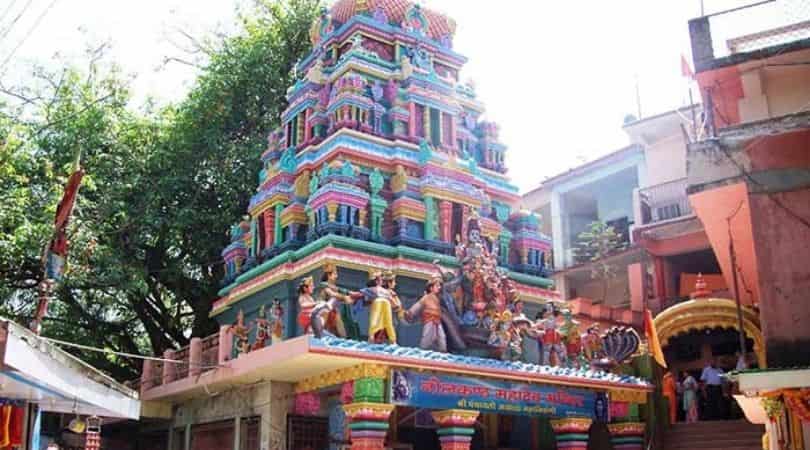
point(445, 220)
point(307, 131)
point(557, 231)
point(331, 209)
point(361, 214)
point(368, 415)
point(572, 433)
point(195, 357)
point(368, 424)
point(225, 343)
point(660, 279)
point(254, 237)
point(627, 435)
point(147, 375)
point(453, 137)
point(237, 432)
point(169, 368)
point(456, 428)
point(277, 224)
point(426, 121)
point(269, 227)
point(505, 240)
point(465, 215)
point(430, 219)
point(412, 120)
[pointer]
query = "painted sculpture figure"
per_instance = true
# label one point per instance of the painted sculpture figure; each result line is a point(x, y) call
point(306, 303)
point(552, 339)
point(276, 321)
point(262, 330)
point(241, 334)
point(383, 302)
point(430, 310)
point(325, 316)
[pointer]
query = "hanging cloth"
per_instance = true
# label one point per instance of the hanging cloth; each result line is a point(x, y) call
point(15, 428)
point(5, 418)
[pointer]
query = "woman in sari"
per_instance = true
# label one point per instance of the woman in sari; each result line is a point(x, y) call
point(690, 388)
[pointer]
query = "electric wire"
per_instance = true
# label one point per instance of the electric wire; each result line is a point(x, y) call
point(27, 35)
point(5, 13)
point(15, 20)
point(125, 354)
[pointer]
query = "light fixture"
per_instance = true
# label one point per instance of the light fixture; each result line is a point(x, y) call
point(77, 425)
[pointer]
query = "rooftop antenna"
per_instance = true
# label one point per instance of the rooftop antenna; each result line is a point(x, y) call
point(638, 98)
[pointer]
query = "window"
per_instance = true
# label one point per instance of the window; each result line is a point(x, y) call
point(669, 211)
point(307, 432)
point(435, 127)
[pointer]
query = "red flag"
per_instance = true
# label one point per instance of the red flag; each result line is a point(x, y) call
point(63, 210)
point(686, 69)
point(56, 254)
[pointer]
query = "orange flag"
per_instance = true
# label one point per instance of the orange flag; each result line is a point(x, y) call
point(652, 339)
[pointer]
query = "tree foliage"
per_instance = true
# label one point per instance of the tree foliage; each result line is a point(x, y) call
point(161, 188)
point(594, 245)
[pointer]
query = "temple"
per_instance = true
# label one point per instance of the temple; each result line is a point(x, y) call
point(384, 289)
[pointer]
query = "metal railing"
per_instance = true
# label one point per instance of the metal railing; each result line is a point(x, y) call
point(664, 201)
point(758, 25)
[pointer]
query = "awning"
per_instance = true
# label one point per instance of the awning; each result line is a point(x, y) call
point(35, 370)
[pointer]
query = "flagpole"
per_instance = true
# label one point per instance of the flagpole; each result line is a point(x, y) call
point(54, 255)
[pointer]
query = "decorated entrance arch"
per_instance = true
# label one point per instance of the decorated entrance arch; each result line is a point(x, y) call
point(708, 313)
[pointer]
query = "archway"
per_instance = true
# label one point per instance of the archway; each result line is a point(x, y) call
point(709, 313)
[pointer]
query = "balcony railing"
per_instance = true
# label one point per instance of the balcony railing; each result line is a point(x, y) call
point(202, 355)
point(664, 201)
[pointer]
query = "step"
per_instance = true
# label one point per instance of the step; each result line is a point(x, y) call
point(715, 437)
point(715, 443)
point(720, 447)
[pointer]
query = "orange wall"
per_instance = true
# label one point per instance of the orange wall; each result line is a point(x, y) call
point(783, 249)
point(713, 207)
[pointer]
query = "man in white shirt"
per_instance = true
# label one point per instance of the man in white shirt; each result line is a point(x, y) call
point(713, 382)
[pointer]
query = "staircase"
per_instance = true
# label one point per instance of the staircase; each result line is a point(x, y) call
point(714, 435)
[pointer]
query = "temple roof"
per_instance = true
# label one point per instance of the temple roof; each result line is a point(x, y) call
point(439, 25)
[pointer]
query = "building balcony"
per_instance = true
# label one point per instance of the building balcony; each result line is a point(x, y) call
point(663, 202)
point(201, 355)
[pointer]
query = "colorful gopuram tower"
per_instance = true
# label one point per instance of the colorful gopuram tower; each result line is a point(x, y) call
point(381, 159)
point(381, 288)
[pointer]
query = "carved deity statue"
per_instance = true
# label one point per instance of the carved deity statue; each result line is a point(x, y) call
point(276, 321)
point(430, 311)
point(306, 303)
point(380, 294)
point(325, 316)
point(302, 189)
point(240, 335)
point(552, 339)
point(262, 330)
point(399, 181)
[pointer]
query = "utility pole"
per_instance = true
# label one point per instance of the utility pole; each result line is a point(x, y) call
point(743, 350)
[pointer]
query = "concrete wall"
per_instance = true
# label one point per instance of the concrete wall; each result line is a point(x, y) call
point(775, 90)
point(618, 290)
point(666, 160)
point(270, 401)
point(783, 248)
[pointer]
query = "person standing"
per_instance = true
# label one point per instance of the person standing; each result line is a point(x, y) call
point(712, 377)
point(690, 388)
point(669, 389)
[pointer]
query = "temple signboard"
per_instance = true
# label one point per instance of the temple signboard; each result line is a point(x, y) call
point(436, 391)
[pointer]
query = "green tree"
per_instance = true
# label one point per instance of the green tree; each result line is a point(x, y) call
point(594, 245)
point(161, 188)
